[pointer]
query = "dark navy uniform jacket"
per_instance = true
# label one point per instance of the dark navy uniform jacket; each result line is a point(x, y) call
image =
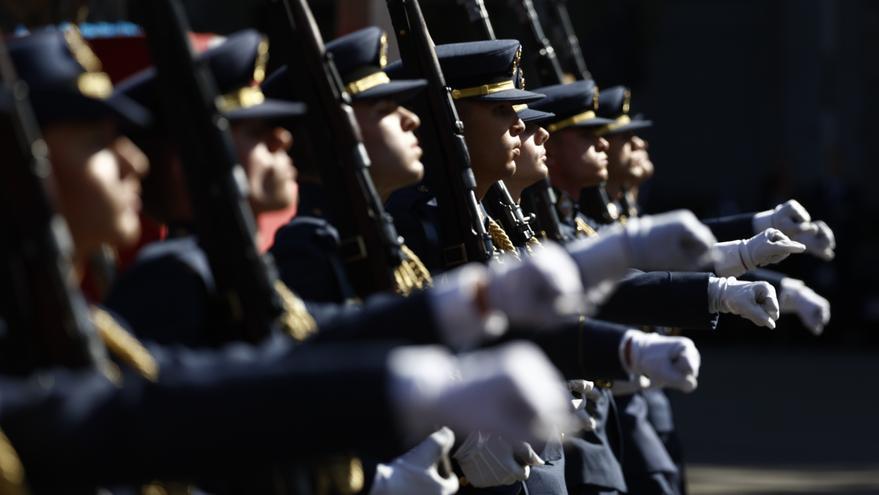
point(732, 227)
point(167, 294)
point(211, 412)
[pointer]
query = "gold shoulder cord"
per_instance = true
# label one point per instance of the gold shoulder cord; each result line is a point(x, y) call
point(411, 275)
point(500, 239)
point(533, 244)
point(296, 319)
point(11, 470)
point(584, 227)
point(124, 346)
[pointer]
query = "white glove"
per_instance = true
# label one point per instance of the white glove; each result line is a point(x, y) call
point(511, 389)
point(766, 248)
point(667, 361)
point(789, 217)
point(819, 240)
point(631, 386)
point(416, 470)
point(813, 310)
point(586, 390)
point(487, 459)
point(538, 291)
point(671, 241)
point(754, 301)
point(455, 303)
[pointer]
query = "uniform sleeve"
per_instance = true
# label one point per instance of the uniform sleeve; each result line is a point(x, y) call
point(582, 349)
point(732, 227)
point(381, 317)
point(671, 299)
point(306, 254)
point(210, 413)
point(149, 292)
point(764, 275)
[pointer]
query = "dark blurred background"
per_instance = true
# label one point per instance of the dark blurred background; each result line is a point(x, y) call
point(754, 102)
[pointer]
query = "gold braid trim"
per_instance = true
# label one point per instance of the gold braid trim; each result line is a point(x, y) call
point(411, 275)
point(296, 319)
point(11, 470)
point(342, 475)
point(124, 346)
point(533, 244)
point(584, 227)
point(500, 239)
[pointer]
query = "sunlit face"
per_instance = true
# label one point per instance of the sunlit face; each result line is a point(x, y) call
point(577, 156)
point(492, 133)
point(531, 162)
point(628, 161)
point(388, 134)
point(97, 179)
point(262, 149)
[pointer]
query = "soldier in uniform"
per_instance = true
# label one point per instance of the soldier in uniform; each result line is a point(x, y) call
point(628, 166)
point(479, 74)
point(75, 429)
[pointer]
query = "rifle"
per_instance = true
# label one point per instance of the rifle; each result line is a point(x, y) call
point(595, 203)
point(47, 318)
point(497, 201)
point(573, 56)
point(371, 247)
point(447, 161)
point(224, 223)
point(539, 200)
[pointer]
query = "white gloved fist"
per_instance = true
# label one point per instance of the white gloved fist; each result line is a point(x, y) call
point(819, 240)
point(586, 390)
point(487, 459)
point(754, 301)
point(510, 389)
point(671, 241)
point(540, 290)
point(797, 298)
point(789, 217)
point(416, 470)
point(766, 248)
point(667, 361)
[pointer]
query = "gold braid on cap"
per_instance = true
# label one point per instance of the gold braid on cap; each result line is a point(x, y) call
point(500, 239)
point(11, 470)
point(573, 120)
point(296, 320)
point(124, 346)
point(93, 83)
point(252, 95)
point(411, 275)
point(360, 85)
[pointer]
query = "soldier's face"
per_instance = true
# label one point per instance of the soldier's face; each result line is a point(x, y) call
point(640, 165)
point(492, 132)
point(627, 158)
point(579, 156)
point(97, 181)
point(262, 149)
point(531, 162)
point(388, 134)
